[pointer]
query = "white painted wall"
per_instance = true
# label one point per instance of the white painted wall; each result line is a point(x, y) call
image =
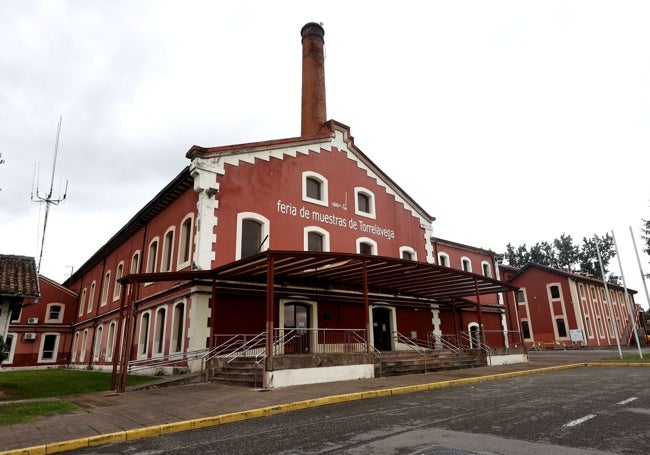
point(299, 376)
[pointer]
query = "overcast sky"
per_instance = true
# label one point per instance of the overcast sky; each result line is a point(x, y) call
point(510, 122)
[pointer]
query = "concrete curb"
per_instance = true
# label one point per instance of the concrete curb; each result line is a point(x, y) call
point(158, 430)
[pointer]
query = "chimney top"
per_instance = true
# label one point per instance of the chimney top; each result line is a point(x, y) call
point(312, 29)
point(313, 79)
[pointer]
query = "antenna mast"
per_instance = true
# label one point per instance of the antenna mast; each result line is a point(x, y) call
point(47, 199)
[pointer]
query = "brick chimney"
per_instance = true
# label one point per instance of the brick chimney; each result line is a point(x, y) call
point(313, 79)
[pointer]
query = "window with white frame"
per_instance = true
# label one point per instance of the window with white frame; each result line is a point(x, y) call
point(143, 341)
point(366, 246)
point(314, 188)
point(54, 312)
point(117, 288)
point(252, 234)
point(561, 328)
point(152, 256)
point(105, 285)
point(97, 349)
point(75, 345)
point(82, 301)
point(9, 348)
point(443, 259)
point(465, 264)
point(185, 243)
point(159, 331)
point(49, 346)
point(406, 252)
point(554, 291)
point(167, 251)
point(525, 327)
point(316, 239)
point(486, 269)
point(110, 341)
point(178, 327)
point(521, 296)
point(364, 202)
point(82, 350)
point(588, 324)
point(135, 262)
point(91, 297)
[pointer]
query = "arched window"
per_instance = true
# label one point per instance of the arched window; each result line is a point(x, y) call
point(110, 341)
point(366, 246)
point(105, 285)
point(168, 251)
point(82, 301)
point(143, 342)
point(178, 328)
point(185, 243)
point(465, 264)
point(252, 234)
point(406, 252)
point(443, 259)
point(98, 343)
point(152, 256)
point(314, 188)
point(91, 297)
point(316, 239)
point(159, 334)
point(364, 202)
point(486, 269)
point(117, 289)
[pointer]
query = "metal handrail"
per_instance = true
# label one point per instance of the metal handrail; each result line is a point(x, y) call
point(443, 341)
point(476, 343)
point(376, 353)
point(414, 345)
point(166, 360)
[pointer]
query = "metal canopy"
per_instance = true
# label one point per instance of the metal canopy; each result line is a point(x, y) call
point(386, 275)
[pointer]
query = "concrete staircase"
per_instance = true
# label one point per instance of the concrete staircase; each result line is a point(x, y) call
point(240, 371)
point(394, 363)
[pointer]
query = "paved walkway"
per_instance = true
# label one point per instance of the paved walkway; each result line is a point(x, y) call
point(109, 417)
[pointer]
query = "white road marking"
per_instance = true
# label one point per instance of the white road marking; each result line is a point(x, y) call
point(629, 400)
point(573, 423)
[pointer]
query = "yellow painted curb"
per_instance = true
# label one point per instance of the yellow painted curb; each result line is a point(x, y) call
point(157, 430)
point(101, 439)
point(73, 444)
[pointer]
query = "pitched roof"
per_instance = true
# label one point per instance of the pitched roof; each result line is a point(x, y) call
point(562, 273)
point(18, 276)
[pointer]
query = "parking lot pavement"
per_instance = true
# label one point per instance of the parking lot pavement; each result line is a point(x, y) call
point(149, 412)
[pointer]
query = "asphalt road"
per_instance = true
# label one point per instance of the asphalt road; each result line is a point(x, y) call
point(578, 411)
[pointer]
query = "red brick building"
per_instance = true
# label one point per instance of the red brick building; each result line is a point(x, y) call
point(557, 308)
point(303, 244)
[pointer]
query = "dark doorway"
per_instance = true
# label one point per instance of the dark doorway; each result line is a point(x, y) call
point(297, 325)
point(381, 330)
point(475, 337)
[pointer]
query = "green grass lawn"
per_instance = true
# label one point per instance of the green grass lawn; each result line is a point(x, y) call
point(35, 384)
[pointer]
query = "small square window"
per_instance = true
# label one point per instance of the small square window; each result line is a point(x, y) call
point(365, 248)
point(55, 312)
point(555, 292)
point(364, 202)
point(314, 241)
point(314, 188)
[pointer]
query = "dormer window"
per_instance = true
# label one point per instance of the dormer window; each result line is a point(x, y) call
point(314, 188)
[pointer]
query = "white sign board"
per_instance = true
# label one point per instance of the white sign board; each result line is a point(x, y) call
point(576, 335)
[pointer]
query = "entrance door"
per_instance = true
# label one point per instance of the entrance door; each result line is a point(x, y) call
point(381, 328)
point(474, 337)
point(296, 325)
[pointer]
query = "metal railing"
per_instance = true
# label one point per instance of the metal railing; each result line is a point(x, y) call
point(419, 346)
point(473, 340)
point(178, 359)
point(318, 341)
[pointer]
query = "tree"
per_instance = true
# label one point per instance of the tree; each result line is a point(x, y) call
point(645, 228)
point(588, 255)
point(562, 253)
